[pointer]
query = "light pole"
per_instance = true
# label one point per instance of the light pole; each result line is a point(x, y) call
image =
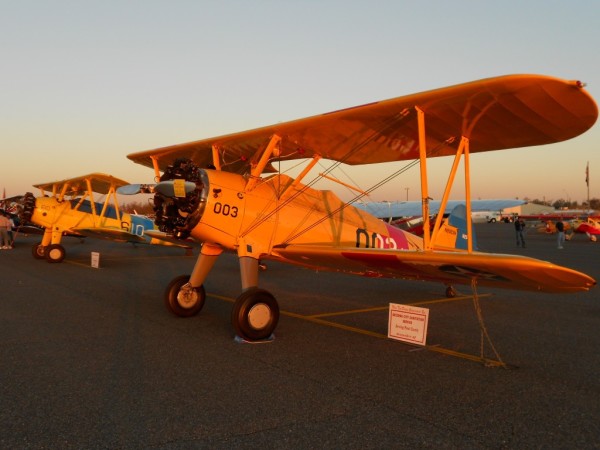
point(407, 193)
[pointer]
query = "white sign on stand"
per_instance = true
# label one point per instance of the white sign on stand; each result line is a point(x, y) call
point(408, 323)
point(95, 260)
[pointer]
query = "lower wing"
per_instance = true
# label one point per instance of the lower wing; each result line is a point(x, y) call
point(486, 269)
point(111, 234)
point(116, 234)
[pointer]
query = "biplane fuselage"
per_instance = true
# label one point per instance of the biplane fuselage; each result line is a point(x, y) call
point(276, 212)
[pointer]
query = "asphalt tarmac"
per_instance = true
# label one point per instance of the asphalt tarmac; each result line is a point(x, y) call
point(90, 357)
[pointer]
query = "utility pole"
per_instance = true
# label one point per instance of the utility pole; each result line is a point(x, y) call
point(587, 181)
point(407, 193)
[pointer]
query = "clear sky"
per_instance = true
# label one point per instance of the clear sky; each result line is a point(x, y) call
point(84, 83)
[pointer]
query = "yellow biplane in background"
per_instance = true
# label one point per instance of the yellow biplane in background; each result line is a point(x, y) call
point(71, 207)
point(225, 192)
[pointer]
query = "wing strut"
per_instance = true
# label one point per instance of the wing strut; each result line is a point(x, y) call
point(463, 149)
point(449, 183)
point(156, 168)
point(315, 159)
point(272, 149)
point(424, 188)
point(90, 194)
point(468, 195)
point(216, 158)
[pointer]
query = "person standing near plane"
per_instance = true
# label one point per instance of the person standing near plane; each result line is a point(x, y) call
point(4, 226)
point(519, 229)
point(560, 230)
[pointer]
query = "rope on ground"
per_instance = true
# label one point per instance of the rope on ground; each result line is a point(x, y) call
point(483, 328)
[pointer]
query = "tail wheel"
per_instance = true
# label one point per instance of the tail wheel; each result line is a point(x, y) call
point(451, 292)
point(55, 253)
point(38, 251)
point(255, 314)
point(182, 299)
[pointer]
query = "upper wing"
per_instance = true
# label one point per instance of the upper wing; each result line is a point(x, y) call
point(492, 270)
point(495, 113)
point(415, 208)
point(100, 183)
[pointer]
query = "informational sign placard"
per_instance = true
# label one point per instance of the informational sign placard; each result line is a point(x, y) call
point(408, 323)
point(95, 260)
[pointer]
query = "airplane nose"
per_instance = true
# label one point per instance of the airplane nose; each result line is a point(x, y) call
point(26, 207)
point(175, 188)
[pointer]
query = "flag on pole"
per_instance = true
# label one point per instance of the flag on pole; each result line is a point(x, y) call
point(587, 174)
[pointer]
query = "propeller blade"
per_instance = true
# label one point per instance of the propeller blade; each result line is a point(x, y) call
point(175, 188)
point(133, 189)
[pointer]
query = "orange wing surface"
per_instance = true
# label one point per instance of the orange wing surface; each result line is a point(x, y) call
point(491, 270)
point(496, 113)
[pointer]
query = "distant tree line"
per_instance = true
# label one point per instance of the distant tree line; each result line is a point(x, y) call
point(561, 203)
point(146, 208)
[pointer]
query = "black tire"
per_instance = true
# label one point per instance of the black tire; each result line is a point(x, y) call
point(255, 314)
point(54, 253)
point(180, 303)
point(38, 251)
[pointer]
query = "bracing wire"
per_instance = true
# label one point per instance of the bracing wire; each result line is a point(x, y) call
point(361, 195)
point(387, 126)
point(485, 336)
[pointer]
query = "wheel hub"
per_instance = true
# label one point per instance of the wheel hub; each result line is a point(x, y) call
point(259, 316)
point(187, 297)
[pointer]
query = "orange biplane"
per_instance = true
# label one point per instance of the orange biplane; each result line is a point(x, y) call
point(224, 192)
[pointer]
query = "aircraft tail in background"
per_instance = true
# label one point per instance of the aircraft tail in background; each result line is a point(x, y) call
point(453, 231)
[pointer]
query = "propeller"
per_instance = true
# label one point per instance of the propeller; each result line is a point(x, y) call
point(133, 189)
point(175, 188)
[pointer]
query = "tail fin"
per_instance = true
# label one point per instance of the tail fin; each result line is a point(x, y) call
point(453, 232)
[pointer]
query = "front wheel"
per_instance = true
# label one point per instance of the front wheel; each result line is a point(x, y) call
point(255, 314)
point(55, 253)
point(38, 251)
point(182, 299)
